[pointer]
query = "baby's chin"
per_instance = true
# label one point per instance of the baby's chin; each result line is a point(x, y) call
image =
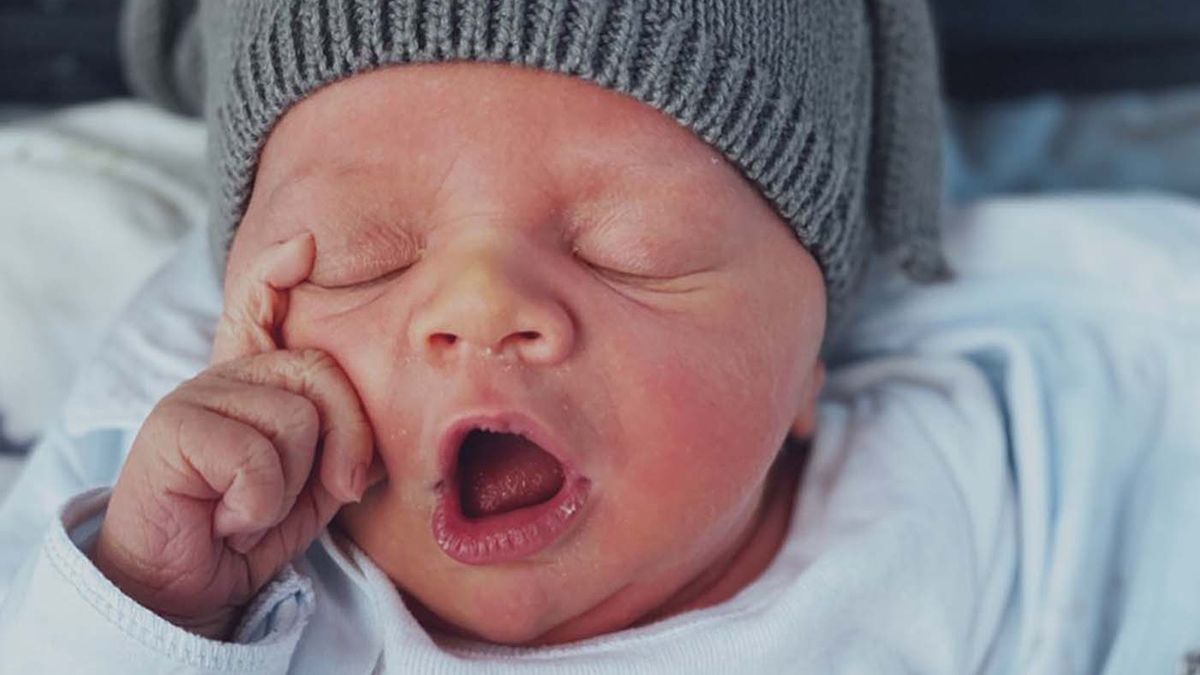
point(512, 623)
point(597, 580)
point(510, 612)
point(572, 590)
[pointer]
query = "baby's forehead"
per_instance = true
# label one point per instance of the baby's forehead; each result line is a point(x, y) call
point(460, 184)
point(454, 183)
point(483, 118)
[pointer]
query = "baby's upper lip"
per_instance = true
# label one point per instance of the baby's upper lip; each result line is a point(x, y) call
point(497, 419)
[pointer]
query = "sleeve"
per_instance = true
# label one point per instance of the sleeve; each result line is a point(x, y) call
point(59, 467)
point(52, 595)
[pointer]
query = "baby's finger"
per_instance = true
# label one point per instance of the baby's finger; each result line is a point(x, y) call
point(348, 446)
point(289, 420)
point(235, 463)
point(256, 304)
point(313, 510)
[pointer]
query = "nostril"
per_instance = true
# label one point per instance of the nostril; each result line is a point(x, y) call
point(442, 341)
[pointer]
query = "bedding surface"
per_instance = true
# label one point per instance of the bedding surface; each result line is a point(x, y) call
point(94, 198)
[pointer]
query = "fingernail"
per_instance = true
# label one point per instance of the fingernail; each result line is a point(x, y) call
point(287, 249)
point(282, 250)
point(296, 240)
point(282, 267)
point(358, 482)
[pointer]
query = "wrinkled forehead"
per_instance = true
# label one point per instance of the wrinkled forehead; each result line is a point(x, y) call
point(472, 134)
point(415, 115)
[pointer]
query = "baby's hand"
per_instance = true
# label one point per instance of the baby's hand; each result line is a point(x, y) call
point(237, 471)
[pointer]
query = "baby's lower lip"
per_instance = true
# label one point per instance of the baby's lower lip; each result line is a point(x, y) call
point(506, 536)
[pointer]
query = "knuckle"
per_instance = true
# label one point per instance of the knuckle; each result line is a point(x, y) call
point(317, 371)
point(299, 413)
point(260, 510)
point(172, 418)
point(184, 393)
point(316, 362)
point(250, 301)
point(167, 411)
point(206, 386)
point(224, 371)
point(256, 455)
point(261, 475)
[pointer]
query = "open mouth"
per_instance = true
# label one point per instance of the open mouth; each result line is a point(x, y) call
point(500, 472)
point(506, 495)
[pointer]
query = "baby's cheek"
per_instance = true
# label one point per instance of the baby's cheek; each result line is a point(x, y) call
point(356, 333)
point(698, 446)
point(364, 344)
point(707, 394)
point(327, 317)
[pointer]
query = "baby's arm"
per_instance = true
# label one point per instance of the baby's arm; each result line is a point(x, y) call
point(239, 469)
point(176, 515)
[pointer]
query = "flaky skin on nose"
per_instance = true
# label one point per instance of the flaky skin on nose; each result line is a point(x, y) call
point(488, 307)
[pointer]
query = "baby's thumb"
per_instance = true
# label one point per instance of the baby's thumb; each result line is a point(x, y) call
point(256, 302)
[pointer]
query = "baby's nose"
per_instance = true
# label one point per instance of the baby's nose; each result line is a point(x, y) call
point(486, 307)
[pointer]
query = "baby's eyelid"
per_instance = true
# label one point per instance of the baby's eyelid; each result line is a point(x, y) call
point(635, 276)
point(363, 283)
point(385, 272)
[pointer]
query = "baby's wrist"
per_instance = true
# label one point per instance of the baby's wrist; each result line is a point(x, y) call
point(123, 570)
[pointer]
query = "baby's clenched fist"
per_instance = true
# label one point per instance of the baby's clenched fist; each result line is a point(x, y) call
point(238, 470)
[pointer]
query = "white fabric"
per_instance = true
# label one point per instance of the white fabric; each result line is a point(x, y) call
point(65, 617)
point(94, 199)
point(10, 468)
point(1005, 480)
point(1085, 313)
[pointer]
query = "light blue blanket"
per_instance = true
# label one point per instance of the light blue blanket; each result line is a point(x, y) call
point(1085, 314)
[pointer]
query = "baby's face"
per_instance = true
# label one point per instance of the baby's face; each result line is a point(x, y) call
point(522, 252)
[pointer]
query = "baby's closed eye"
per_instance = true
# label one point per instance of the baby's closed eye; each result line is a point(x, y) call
point(656, 243)
point(352, 258)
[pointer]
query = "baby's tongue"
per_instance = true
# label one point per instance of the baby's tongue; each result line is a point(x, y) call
point(502, 472)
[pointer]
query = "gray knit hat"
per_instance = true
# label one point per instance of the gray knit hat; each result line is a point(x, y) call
point(829, 107)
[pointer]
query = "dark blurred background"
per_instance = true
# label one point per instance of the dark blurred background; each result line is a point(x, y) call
point(64, 51)
point(1003, 48)
point(59, 51)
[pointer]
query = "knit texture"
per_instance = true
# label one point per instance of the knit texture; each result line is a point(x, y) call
point(829, 107)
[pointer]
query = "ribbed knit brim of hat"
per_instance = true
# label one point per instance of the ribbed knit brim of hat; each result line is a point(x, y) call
point(828, 107)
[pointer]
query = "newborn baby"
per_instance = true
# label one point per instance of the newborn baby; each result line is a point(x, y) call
point(542, 380)
point(521, 337)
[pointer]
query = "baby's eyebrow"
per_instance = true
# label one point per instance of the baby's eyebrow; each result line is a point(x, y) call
point(328, 168)
point(317, 195)
point(600, 192)
point(325, 169)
